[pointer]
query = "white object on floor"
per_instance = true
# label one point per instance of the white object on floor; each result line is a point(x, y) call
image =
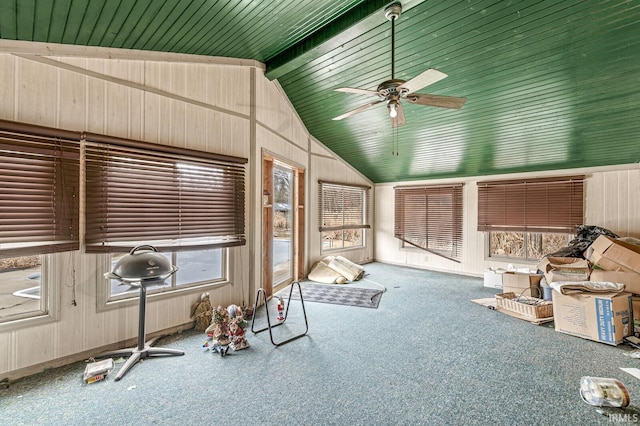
point(635, 372)
point(336, 269)
point(351, 271)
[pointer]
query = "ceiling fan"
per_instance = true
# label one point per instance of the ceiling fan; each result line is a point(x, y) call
point(395, 90)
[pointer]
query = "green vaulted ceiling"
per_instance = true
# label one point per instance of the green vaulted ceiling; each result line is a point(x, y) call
point(549, 84)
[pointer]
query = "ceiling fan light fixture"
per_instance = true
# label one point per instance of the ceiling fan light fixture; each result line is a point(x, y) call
point(393, 108)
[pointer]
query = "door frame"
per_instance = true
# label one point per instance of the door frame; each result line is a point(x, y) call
point(298, 216)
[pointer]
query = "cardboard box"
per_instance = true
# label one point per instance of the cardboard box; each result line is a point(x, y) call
point(615, 255)
point(636, 314)
point(520, 283)
point(564, 269)
point(631, 280)
point(602, 317)
point(493, 279)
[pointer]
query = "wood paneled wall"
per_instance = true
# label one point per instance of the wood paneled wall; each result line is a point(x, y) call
point(228, 109)
point(612, 200)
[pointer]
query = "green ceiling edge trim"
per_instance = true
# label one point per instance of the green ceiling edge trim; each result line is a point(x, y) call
point(362, 18)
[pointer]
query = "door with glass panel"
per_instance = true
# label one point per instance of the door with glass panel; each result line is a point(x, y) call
point(283, 223)
point(282, 244)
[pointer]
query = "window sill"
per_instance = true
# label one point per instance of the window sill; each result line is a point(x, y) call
point(133, 301)
point(28, 322)
point(335, 250)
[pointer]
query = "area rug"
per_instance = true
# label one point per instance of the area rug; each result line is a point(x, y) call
point(336, 294)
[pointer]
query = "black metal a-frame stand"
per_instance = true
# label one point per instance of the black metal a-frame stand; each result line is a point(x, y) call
point(271, 327)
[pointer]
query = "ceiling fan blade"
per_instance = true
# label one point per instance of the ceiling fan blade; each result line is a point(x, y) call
point(428, 77)
point(398, 120)
point(358, 91)
point(359, 109)
point(436, 100)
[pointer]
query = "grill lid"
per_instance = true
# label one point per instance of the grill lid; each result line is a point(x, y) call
point(143, 263)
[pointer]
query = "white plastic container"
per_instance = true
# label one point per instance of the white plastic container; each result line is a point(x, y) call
point(604, 392)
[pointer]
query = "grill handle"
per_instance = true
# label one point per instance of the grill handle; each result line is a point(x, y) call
point(143, 246)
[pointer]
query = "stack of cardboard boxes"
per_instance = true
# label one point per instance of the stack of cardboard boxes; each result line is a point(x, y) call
point(605, 317)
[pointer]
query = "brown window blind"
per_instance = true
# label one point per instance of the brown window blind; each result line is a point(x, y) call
point(40, 177)
point(343, 206)
point(430, 218)
point(175, 199)
point(534, 205)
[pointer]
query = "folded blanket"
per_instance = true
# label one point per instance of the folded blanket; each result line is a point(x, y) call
point(323, 274)
point(335, 269)
point(572, 287)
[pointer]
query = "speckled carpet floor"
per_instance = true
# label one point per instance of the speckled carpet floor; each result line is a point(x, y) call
point(426, 356)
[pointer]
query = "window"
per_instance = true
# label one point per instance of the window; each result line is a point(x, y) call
point(344, 213)
point(525, 245)
point(22, 290)
point(39, 206)
point(527, 219)
point(187, 204)
point(430, 218)
point(174, 199)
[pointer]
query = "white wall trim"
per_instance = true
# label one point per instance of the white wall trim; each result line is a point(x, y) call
point(329, 157)
point(546, 173)
point(342, 160)
point(280, 135)
point(67, 50)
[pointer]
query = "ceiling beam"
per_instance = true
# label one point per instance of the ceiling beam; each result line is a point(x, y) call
point(362, 18)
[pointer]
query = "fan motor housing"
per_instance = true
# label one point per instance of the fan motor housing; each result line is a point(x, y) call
point(390, 87)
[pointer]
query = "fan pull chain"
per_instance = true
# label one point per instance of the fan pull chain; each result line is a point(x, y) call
point(397, 145)
point(394, 142)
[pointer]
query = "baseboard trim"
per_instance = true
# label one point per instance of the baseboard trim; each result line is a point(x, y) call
point(10, 376)
point(447, 271)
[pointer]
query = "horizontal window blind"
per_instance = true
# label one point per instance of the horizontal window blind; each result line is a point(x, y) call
point(533, 205)
point(430, 218)
point(175, 199)
point(343, 206)
point(40, 178)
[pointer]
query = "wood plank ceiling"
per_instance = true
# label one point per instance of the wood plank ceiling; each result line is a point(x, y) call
point(550, 84)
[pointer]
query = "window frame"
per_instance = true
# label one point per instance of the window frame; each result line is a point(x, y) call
point(402, 228)
point(513, 259)
point(41, 168)
point(527, 205)
point(105, 302)
point(326, 188)
point(202, 170)
point(49, 293)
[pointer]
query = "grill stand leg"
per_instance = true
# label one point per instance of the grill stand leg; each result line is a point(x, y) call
point(286, 313)
point(143, 350)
